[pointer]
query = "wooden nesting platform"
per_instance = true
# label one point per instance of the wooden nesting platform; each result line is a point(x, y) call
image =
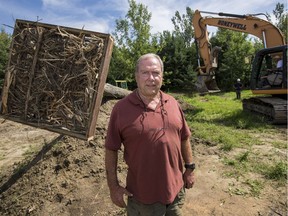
point(55, 78)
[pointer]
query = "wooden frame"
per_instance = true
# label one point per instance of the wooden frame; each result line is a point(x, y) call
point(55, 78)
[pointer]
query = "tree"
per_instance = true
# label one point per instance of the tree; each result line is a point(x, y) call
point(183, 26)
point(178, 53)
point(237, 48)
point(132, 39)
point(5, 40)
point(281, 18)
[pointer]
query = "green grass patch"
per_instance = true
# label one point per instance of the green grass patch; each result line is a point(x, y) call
point(239, 164)
point(248, 162)
point(224, 109)
point(256, 187)
point(280, 145)
point(277, 171)
point(220, 118)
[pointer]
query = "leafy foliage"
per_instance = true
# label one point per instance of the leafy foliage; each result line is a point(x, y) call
point(133, 38)
point(281, 18)
point(5, 40)
point(178, 64)
point(178, 52)
point(233, 64)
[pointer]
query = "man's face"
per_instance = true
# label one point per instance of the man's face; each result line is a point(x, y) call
point(149, 77)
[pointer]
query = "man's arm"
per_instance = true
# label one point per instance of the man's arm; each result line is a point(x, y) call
point(186, 151)
point(111, 161)
point(116, 191)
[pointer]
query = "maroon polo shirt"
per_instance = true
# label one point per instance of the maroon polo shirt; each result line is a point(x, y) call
point(152, 146)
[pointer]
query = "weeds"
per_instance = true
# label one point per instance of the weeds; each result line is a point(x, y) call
point(243, 157)
point(239, 164)
point(256, 187)
point(237, 191)
point(280, 145)
point(277, 171)
point(220, 118)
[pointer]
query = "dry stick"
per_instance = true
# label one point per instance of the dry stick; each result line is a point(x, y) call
point(63, 80)
point(31, 77)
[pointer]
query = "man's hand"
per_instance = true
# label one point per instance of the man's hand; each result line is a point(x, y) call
point(117, 196)
point(189, 178)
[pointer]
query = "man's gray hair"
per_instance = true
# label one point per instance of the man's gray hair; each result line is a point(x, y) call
point(146, 56)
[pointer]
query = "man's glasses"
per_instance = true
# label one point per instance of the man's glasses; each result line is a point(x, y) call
point(146, 74)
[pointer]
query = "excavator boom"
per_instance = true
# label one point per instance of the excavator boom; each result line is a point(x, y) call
point(274, 102)
point(264, 30)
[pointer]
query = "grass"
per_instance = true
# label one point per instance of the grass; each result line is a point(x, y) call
point(275, 171)
point(220, 119)
point(280, 145)
point(256, 187)
point(216, 117)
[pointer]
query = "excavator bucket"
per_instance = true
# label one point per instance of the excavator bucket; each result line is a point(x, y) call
point(206, 84)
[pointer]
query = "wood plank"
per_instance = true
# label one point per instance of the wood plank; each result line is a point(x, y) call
point(31, 75)
point(82, 127)
point(100, 89)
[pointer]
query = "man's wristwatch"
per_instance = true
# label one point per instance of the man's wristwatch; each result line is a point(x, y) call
point(190, 166)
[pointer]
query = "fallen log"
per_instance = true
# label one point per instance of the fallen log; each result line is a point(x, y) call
point(114, 91)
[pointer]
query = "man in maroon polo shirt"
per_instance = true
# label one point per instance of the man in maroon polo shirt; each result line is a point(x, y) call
point(156, 139)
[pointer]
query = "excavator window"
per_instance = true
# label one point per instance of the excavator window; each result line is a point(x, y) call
point(271, 73)
point(268, 60)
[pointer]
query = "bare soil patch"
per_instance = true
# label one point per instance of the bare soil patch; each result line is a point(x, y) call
point(44, 173)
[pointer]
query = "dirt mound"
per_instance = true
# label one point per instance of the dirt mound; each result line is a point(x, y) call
point(66, 176)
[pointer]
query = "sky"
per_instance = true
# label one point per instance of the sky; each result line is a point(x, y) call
point(101, 15)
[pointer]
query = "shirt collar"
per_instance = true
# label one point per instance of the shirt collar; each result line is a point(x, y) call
point(133, 98)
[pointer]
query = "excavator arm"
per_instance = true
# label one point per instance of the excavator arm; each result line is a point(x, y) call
point(266, 31)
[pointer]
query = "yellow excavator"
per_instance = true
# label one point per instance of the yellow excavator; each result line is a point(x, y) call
point(266, 78)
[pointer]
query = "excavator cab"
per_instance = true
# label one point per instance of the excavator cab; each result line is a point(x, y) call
point(268, 77)
point(263, 29)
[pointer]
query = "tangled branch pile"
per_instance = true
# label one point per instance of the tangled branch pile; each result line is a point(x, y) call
point(53, 76)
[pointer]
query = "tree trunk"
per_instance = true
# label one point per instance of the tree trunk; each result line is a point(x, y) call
point(114, 91)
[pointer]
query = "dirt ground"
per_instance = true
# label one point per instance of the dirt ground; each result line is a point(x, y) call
point(44, 173)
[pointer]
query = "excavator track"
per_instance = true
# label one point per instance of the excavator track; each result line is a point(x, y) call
point(272, 107)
